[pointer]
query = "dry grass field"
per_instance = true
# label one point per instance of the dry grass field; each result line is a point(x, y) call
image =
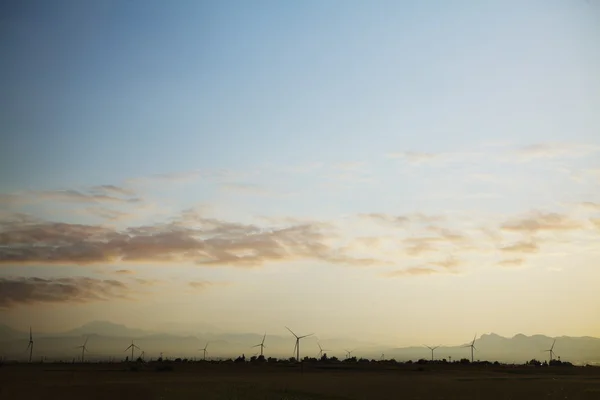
point(254, 382)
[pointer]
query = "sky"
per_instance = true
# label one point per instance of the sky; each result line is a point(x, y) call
point(393, 171)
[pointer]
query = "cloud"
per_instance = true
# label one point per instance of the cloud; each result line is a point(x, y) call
point(245, 188)
point(415, 271)
point(450, 263)
point(124, 272)
point(183, 177)
point(448, 266)
point(193, 238)
point(554, 150)
point(521, 247)
point(590, 205)
point(511, 262)
point(540, 221)
point(418, 158)
point(419, 245)
point(202, 285)
point(81, 197)
point(148, 282)
point(390, 219)
point(114, 190)
point(107, 213)
point(596, 222)
point(21, 290)
point(66, 196)
point(402, 219)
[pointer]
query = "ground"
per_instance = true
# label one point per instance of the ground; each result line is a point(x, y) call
point(270, 382)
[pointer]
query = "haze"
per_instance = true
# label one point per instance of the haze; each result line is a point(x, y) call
point(392, 172)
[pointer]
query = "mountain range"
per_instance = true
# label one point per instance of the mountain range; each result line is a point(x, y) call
point(109, 340)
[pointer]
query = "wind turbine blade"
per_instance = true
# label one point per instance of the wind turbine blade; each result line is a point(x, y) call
point(474, 348)
point(291, 331)
point(257, 345)
point(86, 340)
point(263, 341)
point(302, 337)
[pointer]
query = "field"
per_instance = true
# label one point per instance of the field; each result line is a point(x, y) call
point(247, 381)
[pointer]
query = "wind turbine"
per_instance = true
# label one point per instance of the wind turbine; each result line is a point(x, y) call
point(84, 348)
point(551, 351)
point(261, 344)
point(297, 346)
point(30, 345)
point(204, 350)
point(132, 347)
point(472, 346)
point(348, 353)
point(321, 350)
point(432, 349)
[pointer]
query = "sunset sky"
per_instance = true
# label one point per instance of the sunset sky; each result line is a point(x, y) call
point(394, 171)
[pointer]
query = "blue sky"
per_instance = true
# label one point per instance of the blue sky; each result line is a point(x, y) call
point(268, 113)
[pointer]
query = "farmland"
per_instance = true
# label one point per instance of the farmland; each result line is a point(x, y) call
point(251, 381)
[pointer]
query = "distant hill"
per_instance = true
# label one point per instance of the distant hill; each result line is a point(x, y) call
point(105, 328)
point(519, 348)
point(109, 340)
point(8, 333)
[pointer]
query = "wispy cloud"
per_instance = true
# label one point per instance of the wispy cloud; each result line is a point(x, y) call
point(389, 219)
point(511, 262)
point(521, 247)
point(184, 177)
point(450, 264)
point(124, 272)
point(66, 196)
point(591, 206)
point(113, 190)
point(81, 197)
point(554, 150)
point(203, 285)
point(21, 290)
point(541, 221)
point(415, 271)
point(107, 213)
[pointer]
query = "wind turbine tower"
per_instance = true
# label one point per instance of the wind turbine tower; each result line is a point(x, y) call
point(432, 349)
point(30, 345)
point(132, 347)
point(348, 353)
point(84, 349)
point(204, 350)
point(472, 346)
point(321, 350)
point(261, 345)
point(297, 346)
point(551, 351)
